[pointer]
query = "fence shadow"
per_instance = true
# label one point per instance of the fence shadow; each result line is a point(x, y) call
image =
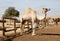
point(51, 34)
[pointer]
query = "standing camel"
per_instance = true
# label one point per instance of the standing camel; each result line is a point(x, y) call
point(43, 16)
point(29, 14)
point(44, 11)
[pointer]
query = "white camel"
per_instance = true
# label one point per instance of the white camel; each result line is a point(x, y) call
point(29, 14)
point(32, 15)
point(43, 16)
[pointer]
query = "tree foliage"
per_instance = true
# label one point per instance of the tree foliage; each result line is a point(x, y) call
point(11, 12)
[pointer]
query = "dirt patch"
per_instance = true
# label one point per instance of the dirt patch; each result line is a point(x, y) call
point(50, 33)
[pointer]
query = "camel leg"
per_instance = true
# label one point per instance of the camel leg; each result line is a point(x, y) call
point(33, 29)
point(21, 29)
point(33, 32)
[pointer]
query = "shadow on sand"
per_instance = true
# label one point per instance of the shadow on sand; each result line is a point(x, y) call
point(51, 34)
point(9, 38)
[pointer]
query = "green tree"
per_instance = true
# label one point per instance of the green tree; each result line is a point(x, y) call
point(11, 12)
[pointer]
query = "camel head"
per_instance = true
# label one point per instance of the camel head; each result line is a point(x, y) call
point(45, 10)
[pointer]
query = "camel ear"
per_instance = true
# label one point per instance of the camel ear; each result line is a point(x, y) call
point(43, 8)
point(49, 9)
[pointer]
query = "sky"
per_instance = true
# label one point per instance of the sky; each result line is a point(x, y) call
point(37, 5)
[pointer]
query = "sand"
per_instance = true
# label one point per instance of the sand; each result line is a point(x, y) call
point(49, 33)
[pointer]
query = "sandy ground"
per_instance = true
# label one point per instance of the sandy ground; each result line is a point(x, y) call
point(49, 33)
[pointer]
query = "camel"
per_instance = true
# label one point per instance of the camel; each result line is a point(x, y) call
point(43, 16)
point(32, 15)
point(29, 14)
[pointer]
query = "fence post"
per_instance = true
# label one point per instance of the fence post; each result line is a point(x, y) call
point(15, 27)
point(3, 26)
